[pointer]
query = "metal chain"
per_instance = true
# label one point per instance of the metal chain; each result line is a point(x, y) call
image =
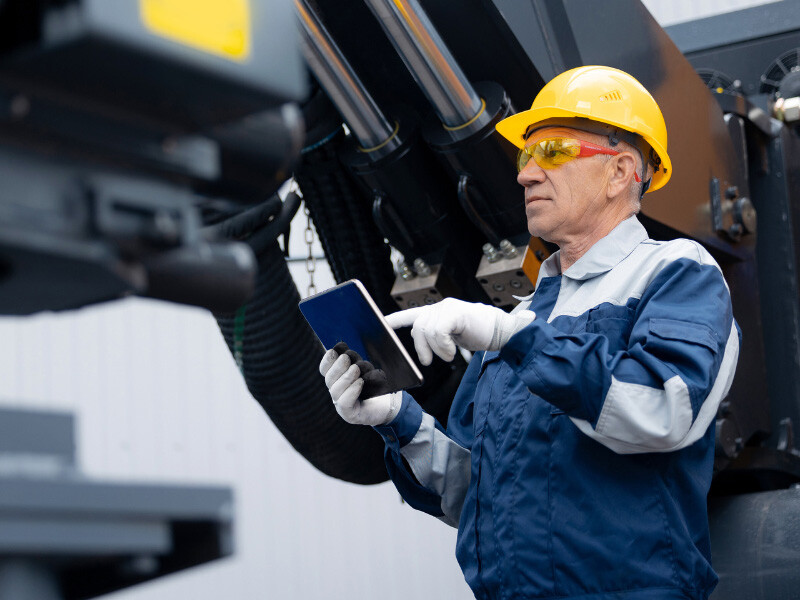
point(311, 261)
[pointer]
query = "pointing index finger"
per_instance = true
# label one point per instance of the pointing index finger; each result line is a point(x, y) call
point(404, 318)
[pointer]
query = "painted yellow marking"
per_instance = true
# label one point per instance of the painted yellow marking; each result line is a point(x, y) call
point(220, 27)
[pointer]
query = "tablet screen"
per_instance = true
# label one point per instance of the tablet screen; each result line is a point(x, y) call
point(346, 313)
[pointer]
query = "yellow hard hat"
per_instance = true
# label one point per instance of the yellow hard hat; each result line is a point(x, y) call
point(604, 95)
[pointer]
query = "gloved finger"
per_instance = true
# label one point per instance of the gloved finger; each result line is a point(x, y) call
point(365, 366)
point(348, 399)
point(442, 344)
point(344, 382)
point(405, 318)
point(337, 370)
point(354, 356)
point(342, 348)
point(441, 337)
point(375, 384)
point(421, 345)
point(374, 376)
point(327, 361)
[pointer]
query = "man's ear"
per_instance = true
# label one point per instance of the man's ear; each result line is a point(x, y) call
point(623, 169)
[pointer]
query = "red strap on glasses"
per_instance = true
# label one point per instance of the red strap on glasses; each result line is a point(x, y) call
point(590, 149)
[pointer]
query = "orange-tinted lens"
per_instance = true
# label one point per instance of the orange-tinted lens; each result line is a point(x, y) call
point(552, 152)
point(549, 152)
point(523, 156)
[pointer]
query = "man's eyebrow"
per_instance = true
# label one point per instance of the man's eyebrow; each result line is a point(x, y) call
point(528, 134)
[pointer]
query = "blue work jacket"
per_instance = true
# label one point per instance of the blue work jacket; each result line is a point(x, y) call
point(577, 460)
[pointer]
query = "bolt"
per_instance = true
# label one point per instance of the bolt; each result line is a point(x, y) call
point(731, 192)
point(498, 287)
point(491, 253)
point(745, 213)
point(735, 231)
point(428, 300)
point(404, 270)
point(515, 283)
point(508, 249)
point(421, 267)
point(788, 109)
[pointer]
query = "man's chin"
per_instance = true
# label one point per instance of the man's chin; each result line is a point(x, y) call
point(539, 230)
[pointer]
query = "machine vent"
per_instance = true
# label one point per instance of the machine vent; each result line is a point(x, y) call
point(719, 82)
point(786, 64)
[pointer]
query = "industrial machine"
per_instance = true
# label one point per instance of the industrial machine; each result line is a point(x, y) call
point(66, 536)
point(142, 149)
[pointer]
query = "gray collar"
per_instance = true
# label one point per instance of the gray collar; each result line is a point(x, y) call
point(606, 254)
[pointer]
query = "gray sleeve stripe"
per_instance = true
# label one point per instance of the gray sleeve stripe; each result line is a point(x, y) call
point(441, 465)
point(645, 416)
point(637, 418)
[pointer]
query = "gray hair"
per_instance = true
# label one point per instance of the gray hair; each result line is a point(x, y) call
point(635, 188)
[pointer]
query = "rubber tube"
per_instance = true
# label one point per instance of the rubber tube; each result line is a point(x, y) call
point(264, 237)
point(342, 215)
point(278, 353)
point(279, 357)
point(355, 249)
point(245, 222)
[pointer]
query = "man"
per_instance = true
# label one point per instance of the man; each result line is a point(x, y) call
point(579, 448)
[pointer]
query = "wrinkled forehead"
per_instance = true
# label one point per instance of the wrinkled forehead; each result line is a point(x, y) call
point(535, 135)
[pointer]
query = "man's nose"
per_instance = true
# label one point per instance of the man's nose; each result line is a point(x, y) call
point(530, 174)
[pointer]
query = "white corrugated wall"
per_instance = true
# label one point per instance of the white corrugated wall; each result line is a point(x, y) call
point(669, 12)
point(158, 397)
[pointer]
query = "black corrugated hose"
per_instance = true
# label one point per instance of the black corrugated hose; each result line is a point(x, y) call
point(353, 245)
point(278, 352)
point(351, 241)
point(279, 357)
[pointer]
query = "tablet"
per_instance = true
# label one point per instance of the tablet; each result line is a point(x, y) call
point(347, 313)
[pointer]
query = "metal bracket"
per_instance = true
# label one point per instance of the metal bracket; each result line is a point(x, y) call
point(733, 215)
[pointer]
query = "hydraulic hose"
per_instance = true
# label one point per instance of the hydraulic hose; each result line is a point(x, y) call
point(245, 222)
point(355, 249)
point(279, 356)
point(275, 348)
point(349, 237)
point(260, 240)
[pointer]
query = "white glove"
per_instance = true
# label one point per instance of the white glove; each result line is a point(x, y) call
point(344, 382)
point(438, 328)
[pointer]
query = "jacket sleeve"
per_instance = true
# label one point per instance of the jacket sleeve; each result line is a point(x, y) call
point(439, 460)
point(660, 393)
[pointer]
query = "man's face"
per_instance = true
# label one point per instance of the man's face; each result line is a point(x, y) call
point(566, 201)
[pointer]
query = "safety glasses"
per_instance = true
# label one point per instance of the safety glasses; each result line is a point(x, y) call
point(550, 153)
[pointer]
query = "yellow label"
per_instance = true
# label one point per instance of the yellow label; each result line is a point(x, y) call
point(220, 27)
